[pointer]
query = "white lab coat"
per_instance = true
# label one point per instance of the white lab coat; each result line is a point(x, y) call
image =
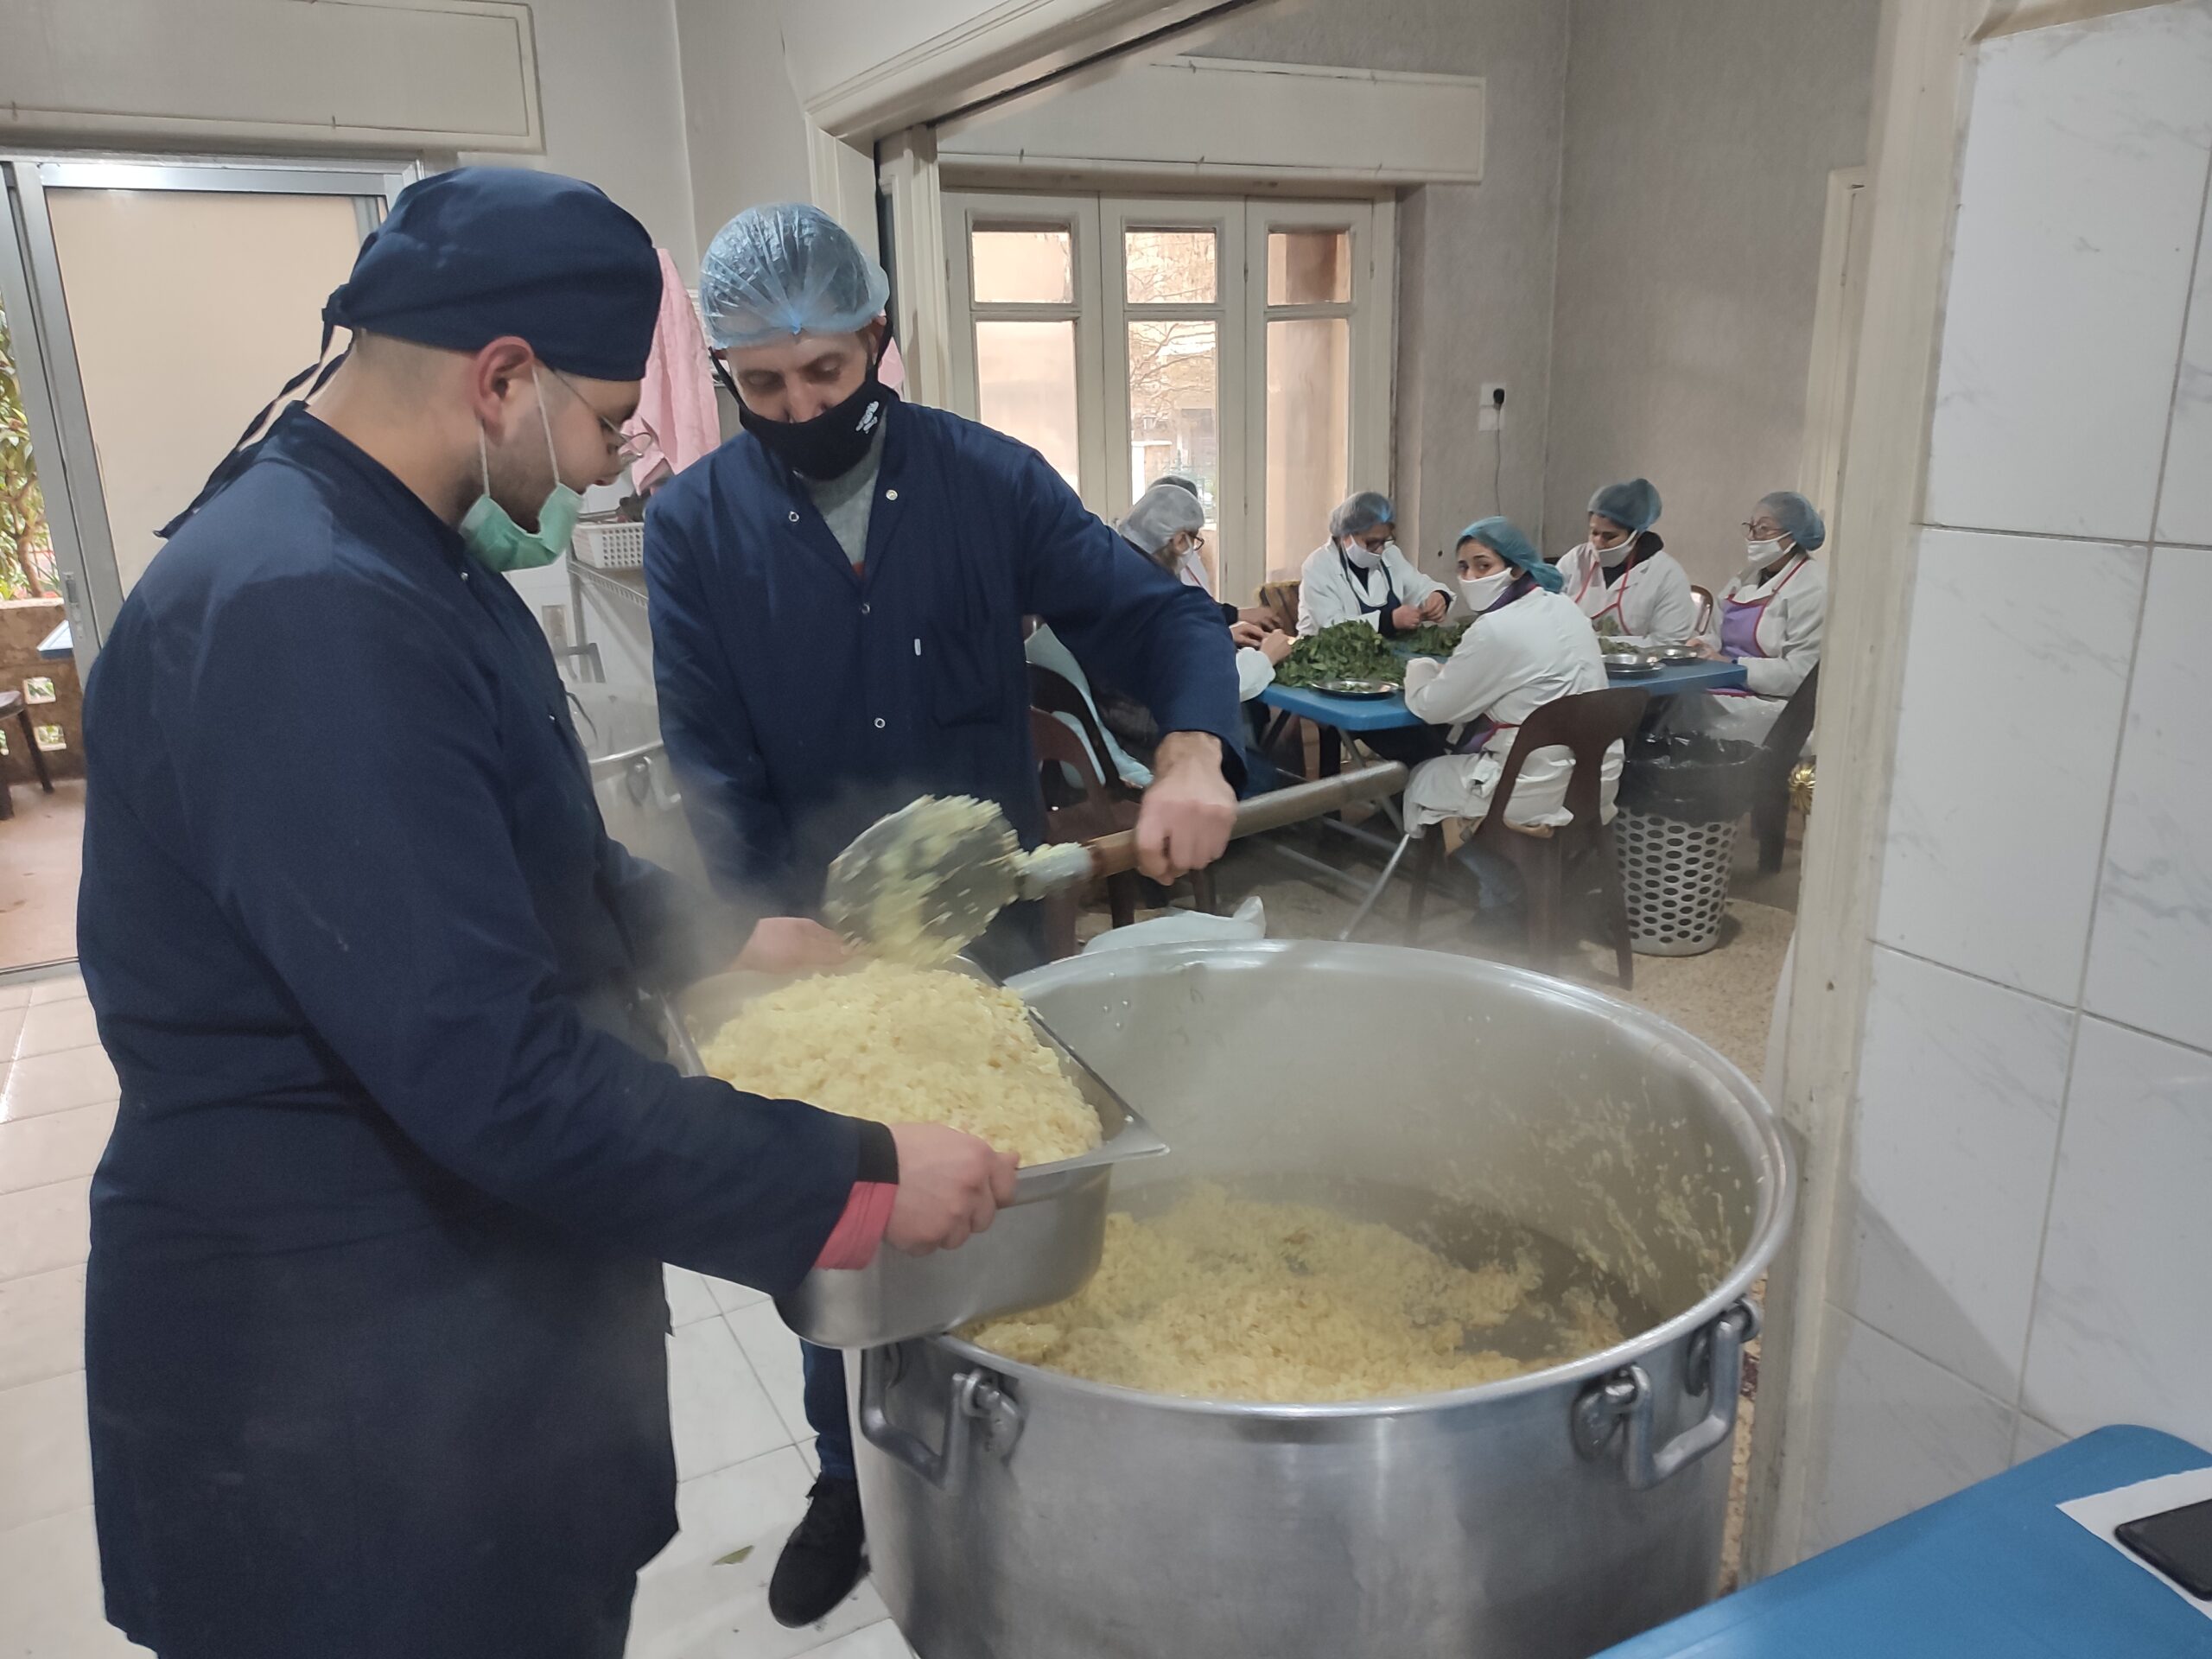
point(1509, 665)
point(1332, 590)
point(1046, 650)
point(1254, 673)
point(1651, 604)
point(1789, 636)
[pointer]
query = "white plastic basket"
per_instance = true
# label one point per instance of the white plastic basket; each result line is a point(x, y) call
point(1674, 877)
point(610, 546)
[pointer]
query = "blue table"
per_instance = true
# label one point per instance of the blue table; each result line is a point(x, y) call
point(1993, 1572)
point(1390, 714)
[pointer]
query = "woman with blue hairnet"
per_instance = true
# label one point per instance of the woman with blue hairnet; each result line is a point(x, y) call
point(1527, 645)
point(1623, 578)
point(1358, 575)
point(1769, 620)
point(838, 596)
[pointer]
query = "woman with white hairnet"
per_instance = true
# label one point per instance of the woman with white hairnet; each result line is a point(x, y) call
point(837, 603)
point(1623, 578)
point(1527, 645)
point(1359, 574)
point(1168, 525)
point(1769, 619)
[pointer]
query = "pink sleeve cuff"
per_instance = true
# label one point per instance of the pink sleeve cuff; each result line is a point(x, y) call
point(859, 1232)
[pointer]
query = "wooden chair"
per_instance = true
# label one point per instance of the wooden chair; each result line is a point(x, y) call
point(1095, 812)
point(1703, 597)
point(1777, 759)
point(1057, 695)
point(11, 708)
point(1588, 724)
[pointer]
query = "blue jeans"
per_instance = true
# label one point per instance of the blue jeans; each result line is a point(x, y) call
point(825, 1410)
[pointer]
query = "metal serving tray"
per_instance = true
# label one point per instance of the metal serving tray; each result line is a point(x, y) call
point(1041, 1249)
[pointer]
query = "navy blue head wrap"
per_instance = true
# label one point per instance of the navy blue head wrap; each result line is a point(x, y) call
point(468, 256)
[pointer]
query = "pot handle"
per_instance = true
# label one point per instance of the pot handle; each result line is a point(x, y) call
point(975, 1397)
point(1713, 1365)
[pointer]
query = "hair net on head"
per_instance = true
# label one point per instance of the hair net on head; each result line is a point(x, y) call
point(1800, 520)
point(780, 271)
point(1161, 513)
point(1180, 481)
point(1360, 513)
point(1633, 505)
point(1504, 537)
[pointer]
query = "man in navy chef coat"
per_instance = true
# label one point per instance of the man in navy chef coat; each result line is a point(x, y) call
point(837, 601)
point(374, 1328)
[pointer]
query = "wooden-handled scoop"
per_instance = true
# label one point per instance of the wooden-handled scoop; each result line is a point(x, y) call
point(921, 885)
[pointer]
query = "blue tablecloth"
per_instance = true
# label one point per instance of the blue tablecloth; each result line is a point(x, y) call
point(1390, 714)
point(1993, 1572)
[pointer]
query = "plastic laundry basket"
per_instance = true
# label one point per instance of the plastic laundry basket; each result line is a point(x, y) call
point(1674, 877)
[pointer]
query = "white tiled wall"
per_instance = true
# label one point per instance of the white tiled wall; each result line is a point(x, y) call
point(2032, 1144)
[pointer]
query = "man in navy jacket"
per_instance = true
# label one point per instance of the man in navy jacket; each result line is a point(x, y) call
point(837, 598)
point(374, 1328)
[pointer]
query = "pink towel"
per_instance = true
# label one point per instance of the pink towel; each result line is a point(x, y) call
point(677, 398)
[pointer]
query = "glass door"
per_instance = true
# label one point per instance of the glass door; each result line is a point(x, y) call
point(170, 303)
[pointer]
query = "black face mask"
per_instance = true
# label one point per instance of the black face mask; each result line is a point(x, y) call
point(832, 443)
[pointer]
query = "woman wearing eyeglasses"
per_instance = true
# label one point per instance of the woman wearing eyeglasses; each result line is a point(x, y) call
point(1623, 578)
point(1358, 575)
point(1769, 618)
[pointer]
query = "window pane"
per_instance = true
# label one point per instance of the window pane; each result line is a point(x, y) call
point(1025, 386)
point(243, 281)
point(1174, 414)
point(1170, 267)
point(1024, 267)
point(1309, 268)
point(1309, 426)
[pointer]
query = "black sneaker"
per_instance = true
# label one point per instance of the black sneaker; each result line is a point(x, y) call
point(823, 1557)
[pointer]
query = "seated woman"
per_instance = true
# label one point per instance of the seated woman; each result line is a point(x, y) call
point(1769, 620)
point(1166, 524)
point(1626, 582)
point(1358, 575)
point(1527, 645)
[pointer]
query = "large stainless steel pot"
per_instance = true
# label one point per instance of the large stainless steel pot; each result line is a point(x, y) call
point(1015, 1513)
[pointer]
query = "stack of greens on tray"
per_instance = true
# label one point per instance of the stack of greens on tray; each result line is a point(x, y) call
point(1354, 651)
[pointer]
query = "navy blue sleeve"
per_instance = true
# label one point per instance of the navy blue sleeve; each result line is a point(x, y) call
point(347, 811)
point(1133, 625)
point(679, 933)
point(706, 730)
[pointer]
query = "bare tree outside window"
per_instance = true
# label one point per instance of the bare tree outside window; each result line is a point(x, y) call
point(25, 547)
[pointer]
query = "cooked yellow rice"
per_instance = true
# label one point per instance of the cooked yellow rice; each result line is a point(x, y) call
point(1233, 1298)
point(909, 1045)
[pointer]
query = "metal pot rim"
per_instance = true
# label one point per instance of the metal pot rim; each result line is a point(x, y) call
point(1759, 1127)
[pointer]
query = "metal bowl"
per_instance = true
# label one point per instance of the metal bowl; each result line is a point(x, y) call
point(1671, 654)
point(1630, 664)
point(1359, 688)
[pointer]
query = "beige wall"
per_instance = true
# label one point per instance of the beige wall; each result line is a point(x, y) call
point(744, 128)
point(1475, 261)
point(1699, 140)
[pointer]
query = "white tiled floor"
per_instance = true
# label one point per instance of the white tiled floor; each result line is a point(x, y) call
point(734, 1385)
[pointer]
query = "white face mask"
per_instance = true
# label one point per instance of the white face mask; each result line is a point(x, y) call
point(1759, 554)
point(1362, 559)
point(1482, 592)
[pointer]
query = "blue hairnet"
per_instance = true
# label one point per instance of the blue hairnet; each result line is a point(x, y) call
point(778, 272)
point(1504, 537)
point(1800, 519)
point(466, 256)
point(1169, 507)
point(1633, 505)
point(1360, 513)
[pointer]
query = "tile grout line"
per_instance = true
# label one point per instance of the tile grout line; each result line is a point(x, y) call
point(2181, 353)
point(2043, 1232)
point(760, 1381)
point(2038, 996)
point(1891, 1337)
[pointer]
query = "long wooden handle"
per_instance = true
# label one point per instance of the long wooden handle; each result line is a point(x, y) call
point(1111, 854)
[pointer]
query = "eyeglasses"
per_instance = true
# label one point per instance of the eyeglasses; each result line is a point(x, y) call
point(628, 448)
point(1762, 530)
point(1375, 542)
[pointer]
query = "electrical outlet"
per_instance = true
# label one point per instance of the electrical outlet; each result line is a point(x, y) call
point(1490, 414)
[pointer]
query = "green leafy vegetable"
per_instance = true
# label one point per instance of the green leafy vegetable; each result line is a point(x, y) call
point(1433, 639)
point(734, 1557)
point(1350, 650)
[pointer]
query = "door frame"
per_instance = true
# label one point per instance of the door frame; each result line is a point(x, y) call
point(31, 291)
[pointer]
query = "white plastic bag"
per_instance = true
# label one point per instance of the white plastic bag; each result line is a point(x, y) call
point(1189, 927)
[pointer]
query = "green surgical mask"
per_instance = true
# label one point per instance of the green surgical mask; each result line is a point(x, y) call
point(490, 531)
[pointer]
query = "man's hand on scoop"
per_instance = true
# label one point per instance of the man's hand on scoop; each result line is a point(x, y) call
point(792, 944)
point(1188, 812)
point(950, 1185)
